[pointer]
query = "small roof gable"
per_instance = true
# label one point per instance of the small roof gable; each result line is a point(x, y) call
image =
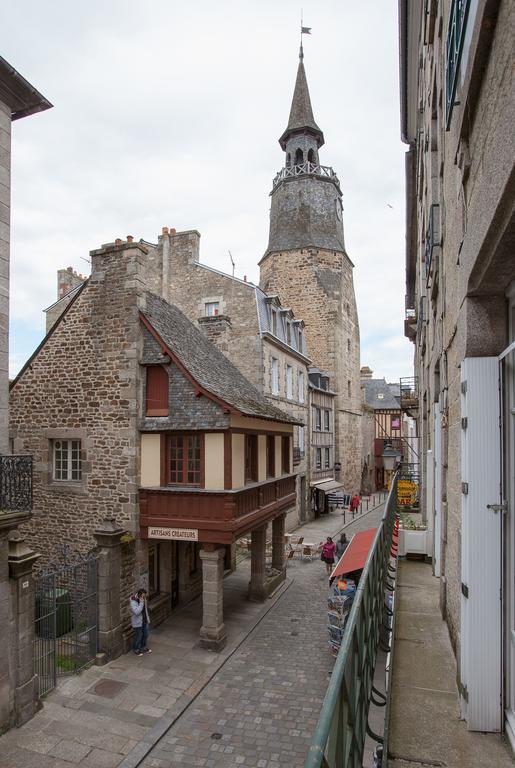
point(204, 362)
point(379, 394)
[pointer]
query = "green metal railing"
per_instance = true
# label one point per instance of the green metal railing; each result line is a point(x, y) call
point(342, 726)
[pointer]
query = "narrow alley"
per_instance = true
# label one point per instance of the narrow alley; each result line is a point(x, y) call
point(254, 704)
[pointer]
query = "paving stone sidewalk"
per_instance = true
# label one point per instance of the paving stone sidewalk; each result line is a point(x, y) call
point(254, 704)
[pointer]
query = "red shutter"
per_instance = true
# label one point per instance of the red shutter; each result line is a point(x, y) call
point(157, 391)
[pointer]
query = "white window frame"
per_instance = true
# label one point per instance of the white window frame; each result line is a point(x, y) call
point(70, 448)
point(289, 382)
point(275, 375)
point(300, 384)
point(215, 311)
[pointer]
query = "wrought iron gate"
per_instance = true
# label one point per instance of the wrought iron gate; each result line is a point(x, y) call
point(66, 618)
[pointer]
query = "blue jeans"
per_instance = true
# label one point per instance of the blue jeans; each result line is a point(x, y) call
point(139, 641)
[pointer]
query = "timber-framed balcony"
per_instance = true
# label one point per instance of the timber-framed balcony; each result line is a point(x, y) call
point(220, 516)
point(15, 483)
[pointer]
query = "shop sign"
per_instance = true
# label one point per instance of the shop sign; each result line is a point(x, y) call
point(407, 493)
point(173, 534)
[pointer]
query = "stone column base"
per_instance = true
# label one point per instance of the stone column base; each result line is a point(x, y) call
point(110, 643)
point(26, 701)
point(213, 639)
point(259, 592)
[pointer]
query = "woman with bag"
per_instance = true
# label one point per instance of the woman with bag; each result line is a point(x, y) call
point(327, 555)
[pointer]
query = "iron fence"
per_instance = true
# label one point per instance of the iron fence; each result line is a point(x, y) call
point(340, 735)
point(66, 633)
point(16, 483)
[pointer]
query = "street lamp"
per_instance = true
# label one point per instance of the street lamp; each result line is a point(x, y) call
point(391, 457)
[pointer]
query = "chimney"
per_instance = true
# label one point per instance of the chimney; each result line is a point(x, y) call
point(366, 372)
point(67, 279)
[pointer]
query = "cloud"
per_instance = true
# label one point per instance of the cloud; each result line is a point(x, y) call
point(169, 113)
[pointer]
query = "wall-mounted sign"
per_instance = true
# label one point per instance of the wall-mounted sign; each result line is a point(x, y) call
point(174, 534)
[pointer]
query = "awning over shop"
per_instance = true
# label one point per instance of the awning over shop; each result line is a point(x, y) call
point(327, 486)
point(355, 556)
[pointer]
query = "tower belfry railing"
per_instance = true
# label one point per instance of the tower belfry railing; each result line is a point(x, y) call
point(312, 169)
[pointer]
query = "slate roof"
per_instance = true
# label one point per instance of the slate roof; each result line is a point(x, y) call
point(301, 112)
point(22, 98)
point(206, 364)
point(264, 323)
point(376, 387)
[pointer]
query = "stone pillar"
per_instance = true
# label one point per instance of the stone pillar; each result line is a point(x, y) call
point(8, 522)
point(212, 632)
point(21, 560)
point(278, 527)
point(6, 702)
point(257, 590)
point(108, 538)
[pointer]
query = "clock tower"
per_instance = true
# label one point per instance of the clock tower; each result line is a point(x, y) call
point(307, 266)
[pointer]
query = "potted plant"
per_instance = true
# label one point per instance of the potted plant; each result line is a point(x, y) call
point(412, 535)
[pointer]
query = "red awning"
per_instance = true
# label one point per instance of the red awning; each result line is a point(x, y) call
point(355, 556)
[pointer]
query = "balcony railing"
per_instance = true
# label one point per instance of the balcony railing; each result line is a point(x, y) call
point(15, 483)
point(313, 169)
point(178, 505)
point(298, 455)
point(343, 723)
point(453, 50)
point(409, 395)
point(432, 238)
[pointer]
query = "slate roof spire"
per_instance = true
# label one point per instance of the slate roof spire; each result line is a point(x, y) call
point(301, 113)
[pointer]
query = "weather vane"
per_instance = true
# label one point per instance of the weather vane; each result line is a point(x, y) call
point(303, 31)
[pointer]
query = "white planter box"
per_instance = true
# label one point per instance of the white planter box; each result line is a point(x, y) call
point(412, 542)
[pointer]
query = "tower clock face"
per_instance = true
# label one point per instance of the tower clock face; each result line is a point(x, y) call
point(339, 209)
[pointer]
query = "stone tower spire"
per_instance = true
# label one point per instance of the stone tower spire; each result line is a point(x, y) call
point(306, 264)
point(301, 113)
point(306, 205)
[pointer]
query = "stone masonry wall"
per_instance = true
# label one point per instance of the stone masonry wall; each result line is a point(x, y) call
point(83, 384)
point(318, 286)
point(191, 285)
point(466, 172)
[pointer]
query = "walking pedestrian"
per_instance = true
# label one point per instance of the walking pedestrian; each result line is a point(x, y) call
point(354, 503)
point(140, 622)
point(341, 546)
point(328, 550)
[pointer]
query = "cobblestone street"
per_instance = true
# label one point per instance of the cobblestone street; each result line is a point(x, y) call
point(255, 704)
point(261, 708)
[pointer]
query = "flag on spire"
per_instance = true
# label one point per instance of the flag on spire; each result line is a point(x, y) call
point(305, 30)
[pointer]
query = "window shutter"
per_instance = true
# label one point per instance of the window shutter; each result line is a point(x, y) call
point(157, 391)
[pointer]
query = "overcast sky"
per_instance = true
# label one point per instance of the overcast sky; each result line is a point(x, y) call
point(168, 114)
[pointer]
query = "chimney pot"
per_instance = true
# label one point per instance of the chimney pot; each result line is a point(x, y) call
point(173, 231)
point(244, 278)
point(164, 230)
point(118, 241)
point(130, 238)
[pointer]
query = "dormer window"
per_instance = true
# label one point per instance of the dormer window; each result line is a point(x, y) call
point(288, 332)
point(212, 308)
point(273, 320)
point(157, 391)
point(300, 339)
